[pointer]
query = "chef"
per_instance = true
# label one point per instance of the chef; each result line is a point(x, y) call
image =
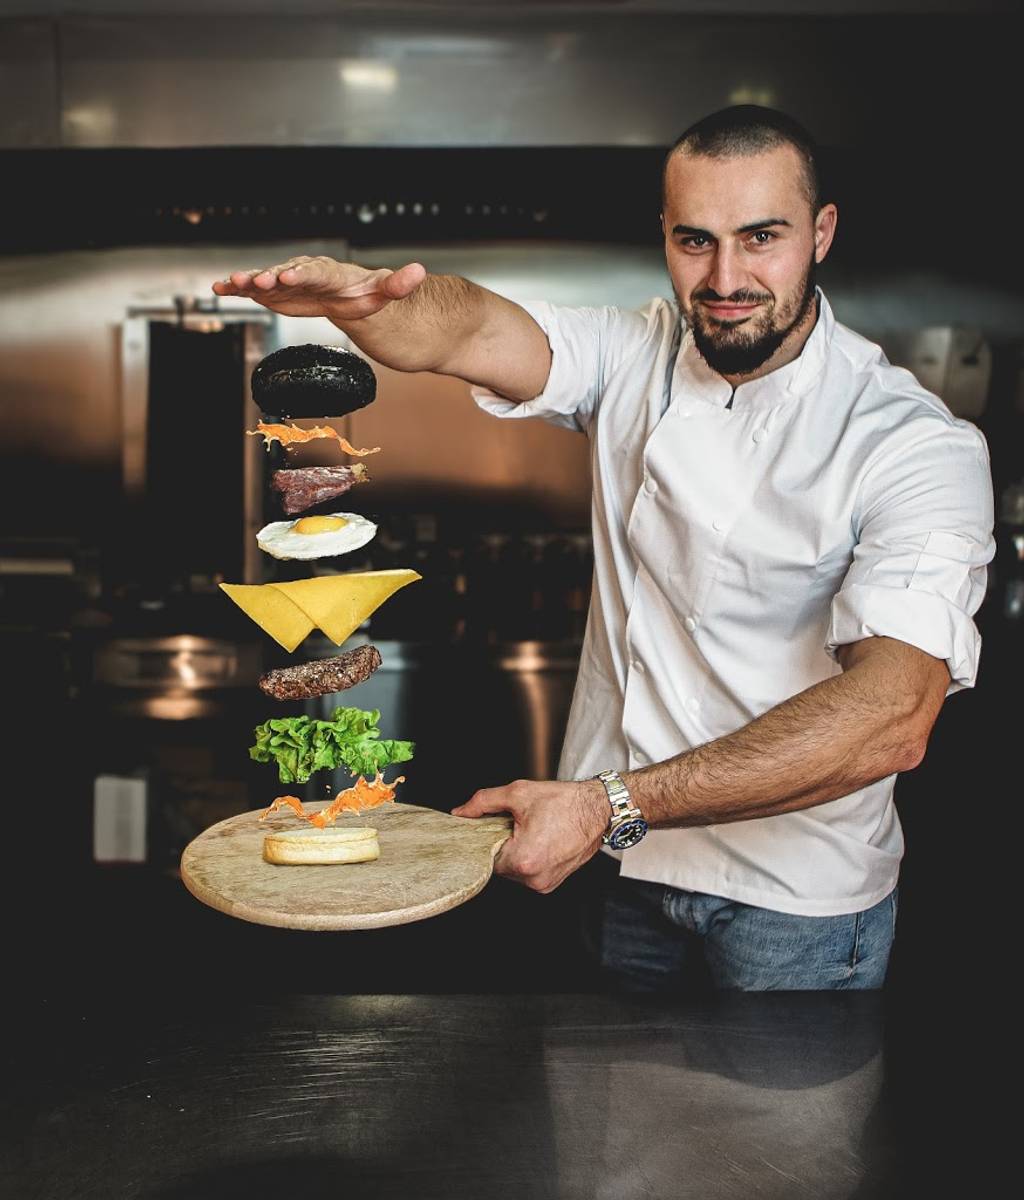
point(790, 543)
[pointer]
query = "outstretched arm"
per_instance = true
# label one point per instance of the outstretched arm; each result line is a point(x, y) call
point(832, 739)
point(410, 320)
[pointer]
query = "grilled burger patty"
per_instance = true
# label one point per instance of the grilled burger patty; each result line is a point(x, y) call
point(322, 676)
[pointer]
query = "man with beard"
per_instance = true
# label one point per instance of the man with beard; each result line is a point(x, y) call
point(790, 542)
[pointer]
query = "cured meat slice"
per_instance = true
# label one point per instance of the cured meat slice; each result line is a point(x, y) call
point(305, 487)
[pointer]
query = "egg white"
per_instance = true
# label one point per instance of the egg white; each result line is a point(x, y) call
point(280, 540)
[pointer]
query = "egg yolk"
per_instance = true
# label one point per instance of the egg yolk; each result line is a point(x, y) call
point(318, 524)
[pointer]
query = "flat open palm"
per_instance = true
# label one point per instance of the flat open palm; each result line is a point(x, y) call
point(322, 287)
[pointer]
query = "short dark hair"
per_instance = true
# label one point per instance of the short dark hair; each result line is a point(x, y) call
point(751, 129)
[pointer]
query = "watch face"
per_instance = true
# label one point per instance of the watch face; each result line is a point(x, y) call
point(628, 834)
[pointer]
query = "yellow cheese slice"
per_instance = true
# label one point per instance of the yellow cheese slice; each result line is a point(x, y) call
point(339, 604)
point(273, 612)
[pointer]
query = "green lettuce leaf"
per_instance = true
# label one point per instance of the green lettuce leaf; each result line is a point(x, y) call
point(300, 745)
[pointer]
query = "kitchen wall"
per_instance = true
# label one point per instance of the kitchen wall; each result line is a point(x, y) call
point(909, 99)
point(60, 329)
point(468, 75)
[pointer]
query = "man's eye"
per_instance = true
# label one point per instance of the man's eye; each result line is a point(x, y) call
point(695, 242)
point(762, 237)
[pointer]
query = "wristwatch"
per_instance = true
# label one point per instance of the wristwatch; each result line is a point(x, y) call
point(627, 825)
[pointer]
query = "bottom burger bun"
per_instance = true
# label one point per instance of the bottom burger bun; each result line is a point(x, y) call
point(298, 846)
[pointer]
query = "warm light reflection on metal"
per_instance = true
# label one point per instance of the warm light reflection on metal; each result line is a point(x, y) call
point(172, 708)
point(368, 75)
point(175, 664)
point(91, 122)
point(458, 44)
point(184, 666)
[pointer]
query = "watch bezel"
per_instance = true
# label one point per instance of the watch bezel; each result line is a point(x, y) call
point(628, 833)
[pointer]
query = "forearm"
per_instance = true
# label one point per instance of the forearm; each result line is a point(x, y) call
point(423, 331)
point(409, 320)
point(826, 742)
point(830, 740)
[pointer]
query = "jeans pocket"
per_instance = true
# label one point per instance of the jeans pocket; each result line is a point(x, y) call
point(858, 929)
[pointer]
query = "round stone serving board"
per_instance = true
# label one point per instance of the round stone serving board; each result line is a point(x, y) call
point(429, 862)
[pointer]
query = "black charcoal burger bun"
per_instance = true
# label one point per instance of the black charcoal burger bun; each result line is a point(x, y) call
point(302, 382)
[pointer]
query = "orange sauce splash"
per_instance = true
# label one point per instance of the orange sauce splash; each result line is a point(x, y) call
point(287, 434)
point(357, 798)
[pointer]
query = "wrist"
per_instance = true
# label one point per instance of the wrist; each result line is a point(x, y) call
point(626, 825)
point(592, 809)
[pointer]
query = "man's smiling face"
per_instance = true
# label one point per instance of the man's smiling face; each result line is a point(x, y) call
point(742, 242)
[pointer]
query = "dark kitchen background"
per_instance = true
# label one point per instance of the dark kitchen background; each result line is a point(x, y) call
point(147, 150)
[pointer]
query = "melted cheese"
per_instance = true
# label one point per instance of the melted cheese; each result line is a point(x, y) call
point(337, 604)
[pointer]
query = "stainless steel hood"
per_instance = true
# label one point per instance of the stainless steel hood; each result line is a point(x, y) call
point(618, 73)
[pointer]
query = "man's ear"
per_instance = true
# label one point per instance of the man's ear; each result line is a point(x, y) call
point(824, 230)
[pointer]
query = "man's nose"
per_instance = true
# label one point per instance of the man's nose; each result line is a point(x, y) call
point(727, 274)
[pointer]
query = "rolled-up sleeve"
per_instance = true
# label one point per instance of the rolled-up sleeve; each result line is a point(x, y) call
point(919, 567)
point(577, 337)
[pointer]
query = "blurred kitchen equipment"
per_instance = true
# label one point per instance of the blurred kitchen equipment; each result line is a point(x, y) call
point(171, 721)
point(173, 678)
point(192, 479)
point(1010, 553)
point(954, 363)
point(43, 581)
point(480, 716)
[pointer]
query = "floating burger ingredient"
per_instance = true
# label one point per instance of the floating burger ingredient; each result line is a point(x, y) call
point(337, 604)
point(289, 434)
point(363, 794)
point(316, 537)
point(303, 745)
point(297, 847)
point(306, 382)
point(303, 487)
point(312, 381)
point(323, 676)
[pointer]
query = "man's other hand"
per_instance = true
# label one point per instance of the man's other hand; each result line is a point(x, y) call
point(558, 827)
point(322, 287)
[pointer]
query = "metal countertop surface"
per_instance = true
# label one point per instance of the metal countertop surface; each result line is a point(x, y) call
point(189, 1095)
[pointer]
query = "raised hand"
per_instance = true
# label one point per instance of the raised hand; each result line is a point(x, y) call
point(323, 287)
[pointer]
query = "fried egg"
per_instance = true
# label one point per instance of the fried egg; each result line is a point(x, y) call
point(315, 537)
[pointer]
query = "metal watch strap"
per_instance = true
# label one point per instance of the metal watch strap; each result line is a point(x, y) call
point(622, 805)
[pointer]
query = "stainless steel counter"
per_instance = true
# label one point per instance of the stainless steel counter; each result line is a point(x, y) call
point(200, 1094)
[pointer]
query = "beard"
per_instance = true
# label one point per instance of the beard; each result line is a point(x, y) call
point(741, 347)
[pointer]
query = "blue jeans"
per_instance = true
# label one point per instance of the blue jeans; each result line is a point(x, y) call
point(647, 937)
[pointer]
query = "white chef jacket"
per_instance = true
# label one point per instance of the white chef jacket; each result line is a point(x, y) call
point(735, 548)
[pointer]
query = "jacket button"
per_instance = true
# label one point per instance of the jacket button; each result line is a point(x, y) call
point(689, 624)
